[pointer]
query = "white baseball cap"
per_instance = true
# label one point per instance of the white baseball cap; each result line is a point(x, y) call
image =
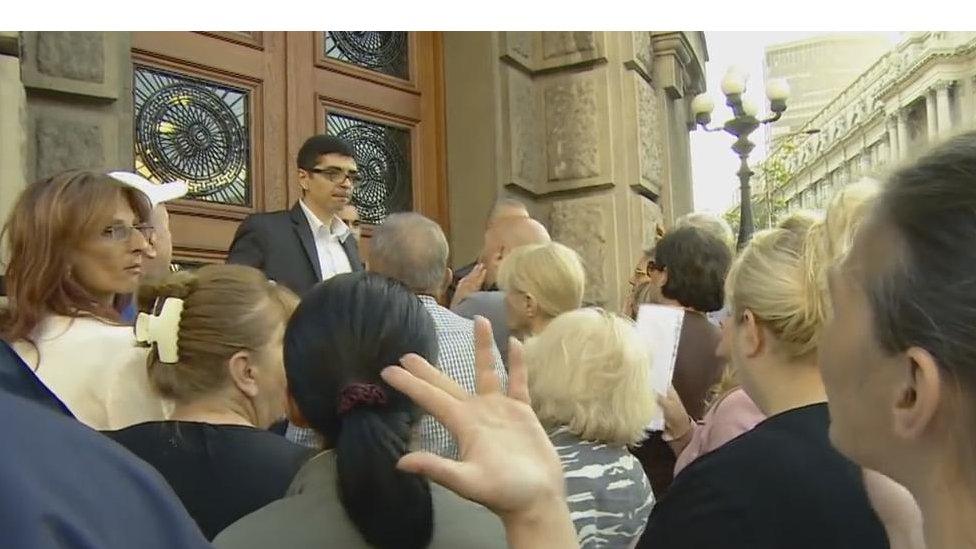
point(157, 193)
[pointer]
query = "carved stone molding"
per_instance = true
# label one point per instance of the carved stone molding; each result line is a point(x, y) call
point(677, 68)
point(638, 53)
point(557, 131)
point(81, 63)
point(537, 52)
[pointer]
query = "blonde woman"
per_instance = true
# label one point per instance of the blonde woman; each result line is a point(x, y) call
point(540, 281)
point(781, 484)
point(588, 382)
point(732, 412)
point(216, 337)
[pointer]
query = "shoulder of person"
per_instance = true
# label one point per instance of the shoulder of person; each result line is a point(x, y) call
point(267, 219)
point(463, 523)
point(482, 299)
point(700, 510)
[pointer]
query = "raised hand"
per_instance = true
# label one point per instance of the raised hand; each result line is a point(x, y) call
point(469, 284)
point(507, 462)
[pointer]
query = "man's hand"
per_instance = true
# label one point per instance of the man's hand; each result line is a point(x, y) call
point(471, 283)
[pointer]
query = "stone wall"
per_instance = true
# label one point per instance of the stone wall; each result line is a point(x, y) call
point(79, 101)
point(13, 119)
point(589, 128)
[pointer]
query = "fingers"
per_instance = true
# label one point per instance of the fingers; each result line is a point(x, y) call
point(438, 403)
point(518, 374)
point(485, 380)
point(450, 474)
point(419, 367)
point(475, 277)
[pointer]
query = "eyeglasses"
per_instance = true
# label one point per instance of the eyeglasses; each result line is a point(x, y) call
point(120, 232)
point(338, 175)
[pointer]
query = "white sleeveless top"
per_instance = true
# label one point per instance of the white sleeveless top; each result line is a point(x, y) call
point(96, 369)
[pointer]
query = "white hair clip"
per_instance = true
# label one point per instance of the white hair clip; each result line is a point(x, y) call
point(162, 329)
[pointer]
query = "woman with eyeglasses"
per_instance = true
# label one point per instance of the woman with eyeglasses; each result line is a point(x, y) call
point(76, 244)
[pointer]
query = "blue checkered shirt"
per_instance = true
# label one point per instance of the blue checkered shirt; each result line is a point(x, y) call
point(455, 342)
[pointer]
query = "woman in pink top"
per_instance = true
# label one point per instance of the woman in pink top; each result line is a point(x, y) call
point(727, 418)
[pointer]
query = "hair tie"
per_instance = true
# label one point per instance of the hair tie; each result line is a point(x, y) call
point(355, 395)
point(163, 329)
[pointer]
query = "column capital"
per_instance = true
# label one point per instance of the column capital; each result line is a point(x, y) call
point(942, 86)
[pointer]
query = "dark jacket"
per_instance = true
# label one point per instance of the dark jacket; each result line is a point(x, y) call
point(281, 244)
point(16, 378)
point(781, 485)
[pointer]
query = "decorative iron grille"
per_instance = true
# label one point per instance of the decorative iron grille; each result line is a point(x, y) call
point(383, 158)
point(193, 130)
point(384, 52)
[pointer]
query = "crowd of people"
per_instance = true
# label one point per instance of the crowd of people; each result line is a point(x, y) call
point(299, 396)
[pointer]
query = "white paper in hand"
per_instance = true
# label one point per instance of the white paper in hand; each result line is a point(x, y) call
point(659, 327)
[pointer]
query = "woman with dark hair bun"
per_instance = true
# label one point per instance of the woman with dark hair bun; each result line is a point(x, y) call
point(343, 334)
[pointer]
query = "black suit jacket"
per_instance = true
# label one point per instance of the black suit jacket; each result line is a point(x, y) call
point(281, 244)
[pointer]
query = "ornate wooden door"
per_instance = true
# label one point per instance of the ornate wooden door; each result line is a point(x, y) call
point(228, 111)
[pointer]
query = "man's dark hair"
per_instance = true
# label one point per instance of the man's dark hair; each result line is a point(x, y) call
point(319, 145)
point(696, 263)
point(926, 295)
point(344, 332)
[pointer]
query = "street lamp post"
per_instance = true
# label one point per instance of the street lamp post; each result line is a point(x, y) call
point(741, 126)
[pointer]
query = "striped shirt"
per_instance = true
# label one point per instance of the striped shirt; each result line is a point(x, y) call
point(609, 496)
point(455, 342)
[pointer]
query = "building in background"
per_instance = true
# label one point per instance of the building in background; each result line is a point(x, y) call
point(921, 91)
point(589, 128)
point(818, 69)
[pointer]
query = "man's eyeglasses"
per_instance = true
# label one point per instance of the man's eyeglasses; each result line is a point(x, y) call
point(120, 232)
point(337, 175)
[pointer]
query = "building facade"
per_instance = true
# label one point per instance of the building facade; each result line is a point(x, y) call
point(589, 128)
point(920, 92)
point(818, 69)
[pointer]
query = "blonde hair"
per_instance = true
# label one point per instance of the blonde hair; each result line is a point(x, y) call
point(781, 274)
point(227, 308)
point(588, 371)
point(551, 273)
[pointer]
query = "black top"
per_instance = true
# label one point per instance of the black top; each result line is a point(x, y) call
point(282, 245)
point(66, 486)
point(220, 472)
point(781, 485)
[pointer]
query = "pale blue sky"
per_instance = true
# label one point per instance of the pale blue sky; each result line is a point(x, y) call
point(713, 163)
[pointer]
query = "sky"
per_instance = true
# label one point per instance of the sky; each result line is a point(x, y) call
point(713, 163)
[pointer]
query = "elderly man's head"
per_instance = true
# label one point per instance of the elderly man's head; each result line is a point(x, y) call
point(504, 209)
point(502, 238)
point(412, 249)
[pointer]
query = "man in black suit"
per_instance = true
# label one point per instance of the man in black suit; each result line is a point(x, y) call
point(309, 243)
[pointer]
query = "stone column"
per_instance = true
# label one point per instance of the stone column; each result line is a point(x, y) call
point(967, 98)
point(892, 126)
point(931, 119)
point(588, 128)
point(13, 130)
point(902, 124)
point(942, 105)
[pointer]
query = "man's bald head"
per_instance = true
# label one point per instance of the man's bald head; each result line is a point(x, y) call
point(503, 209)
point(412, 249)
point(504, 237)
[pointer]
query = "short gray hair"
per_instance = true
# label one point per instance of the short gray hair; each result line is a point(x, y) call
point(410, 248)
point(711, 224)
